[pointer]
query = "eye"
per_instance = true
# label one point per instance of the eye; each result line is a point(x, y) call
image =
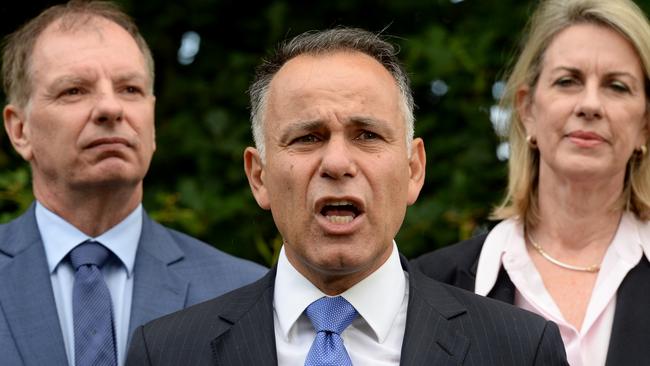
point(71, 91)
point(619, 86)
point(306, 139)
point(132, 89)
point(566, 81)
point(367, 135)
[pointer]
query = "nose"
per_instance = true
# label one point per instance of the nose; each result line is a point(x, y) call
point(108, 108)
point(590, 106)
point(337, 160)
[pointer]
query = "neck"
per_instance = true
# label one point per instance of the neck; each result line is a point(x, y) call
point(577, 216)
point(332, 281)
point(92, 211)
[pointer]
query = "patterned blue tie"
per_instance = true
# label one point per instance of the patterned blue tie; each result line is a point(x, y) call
point(94, 338)
point(330, 316)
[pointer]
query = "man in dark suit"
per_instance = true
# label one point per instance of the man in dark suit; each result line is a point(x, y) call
point(85, 264)
point(336, 163)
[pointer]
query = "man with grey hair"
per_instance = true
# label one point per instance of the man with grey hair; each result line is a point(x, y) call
point(336, 163)
point(85, 264)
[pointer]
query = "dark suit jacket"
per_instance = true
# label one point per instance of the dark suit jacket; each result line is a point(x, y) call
point(171, 272)
point(628, 345)
point(444, 326)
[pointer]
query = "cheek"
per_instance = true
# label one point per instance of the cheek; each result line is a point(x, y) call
point(632, 128)
point(46, 136)
point(391, 186)
point(282, 185)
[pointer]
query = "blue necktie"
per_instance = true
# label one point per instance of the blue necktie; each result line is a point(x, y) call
point(94, 337)
point(330, 316)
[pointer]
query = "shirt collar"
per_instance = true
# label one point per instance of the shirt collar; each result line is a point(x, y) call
point(506, 242)
point(386, 286)
point(639, 233)
point(60, 237)
point(489, 262)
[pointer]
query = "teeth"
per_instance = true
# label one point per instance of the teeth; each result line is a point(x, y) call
point(339, 219)
point(340, 203)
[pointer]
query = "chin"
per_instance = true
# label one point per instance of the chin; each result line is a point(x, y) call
point(109, 180)
point(588, 170)
point(347, 260)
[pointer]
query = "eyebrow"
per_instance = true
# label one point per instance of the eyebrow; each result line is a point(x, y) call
point(578, 71)
point(298, 127)
point(362, 122)
point(131, 76)
point(68, 79)
point(367, 122)
point(85, 77)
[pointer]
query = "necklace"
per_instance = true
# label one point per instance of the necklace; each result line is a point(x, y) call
point(591, 269)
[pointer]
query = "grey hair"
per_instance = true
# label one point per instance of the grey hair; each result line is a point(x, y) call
point(320, 43)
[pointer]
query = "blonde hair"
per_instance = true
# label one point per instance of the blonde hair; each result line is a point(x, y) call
point(550, 18)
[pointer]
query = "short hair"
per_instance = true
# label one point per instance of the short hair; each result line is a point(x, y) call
point(321, 43)
point(550, 18)
point(19, 45)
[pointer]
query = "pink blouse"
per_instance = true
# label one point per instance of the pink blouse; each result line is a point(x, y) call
point(587, 346)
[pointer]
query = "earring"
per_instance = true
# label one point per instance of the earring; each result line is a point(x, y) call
point(641, 150)
point(531, 141)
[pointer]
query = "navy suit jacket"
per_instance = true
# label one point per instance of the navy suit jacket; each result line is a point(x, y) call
point(628, 345)
point(171, 272)
point(444, 326)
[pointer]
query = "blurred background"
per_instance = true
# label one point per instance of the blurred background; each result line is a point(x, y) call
point(456, 52)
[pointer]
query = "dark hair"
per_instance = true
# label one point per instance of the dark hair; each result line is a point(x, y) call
point(324, 42)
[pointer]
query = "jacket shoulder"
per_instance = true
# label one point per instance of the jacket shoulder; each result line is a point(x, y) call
point(229, 306)
point(199, 256)
point(209, 271)
point(512, 335)
point(455, 264)
point(493, 332)
point(185, 336)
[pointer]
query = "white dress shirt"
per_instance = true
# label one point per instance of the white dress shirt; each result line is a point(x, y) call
point(505, 246)
point(374, 337)
point(59, 238)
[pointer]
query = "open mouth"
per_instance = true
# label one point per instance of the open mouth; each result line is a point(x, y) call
point(340, 212)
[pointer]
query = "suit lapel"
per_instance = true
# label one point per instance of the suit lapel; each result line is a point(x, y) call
point(26, 296)
point(631, 329)
point(157, 289)
point(430, 337)
point(248, 317)
point(503, 289)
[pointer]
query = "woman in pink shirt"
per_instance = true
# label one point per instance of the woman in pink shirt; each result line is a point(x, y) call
point(574, 240)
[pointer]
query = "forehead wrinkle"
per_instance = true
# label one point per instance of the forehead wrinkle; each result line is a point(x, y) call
point(132, 76)
point(294, 127)
point(366, 121)
point(604, 60)
point(71, 79)
point(353, 121)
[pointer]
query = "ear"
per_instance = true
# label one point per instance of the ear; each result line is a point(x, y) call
point(18, 131)
point(153, 129)
point(255, 173)
point(417, 168)
point(523, 102)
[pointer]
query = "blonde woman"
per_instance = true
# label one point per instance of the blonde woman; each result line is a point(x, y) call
point(574, 240)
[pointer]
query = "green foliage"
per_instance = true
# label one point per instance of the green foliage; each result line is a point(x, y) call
point(196, 182)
